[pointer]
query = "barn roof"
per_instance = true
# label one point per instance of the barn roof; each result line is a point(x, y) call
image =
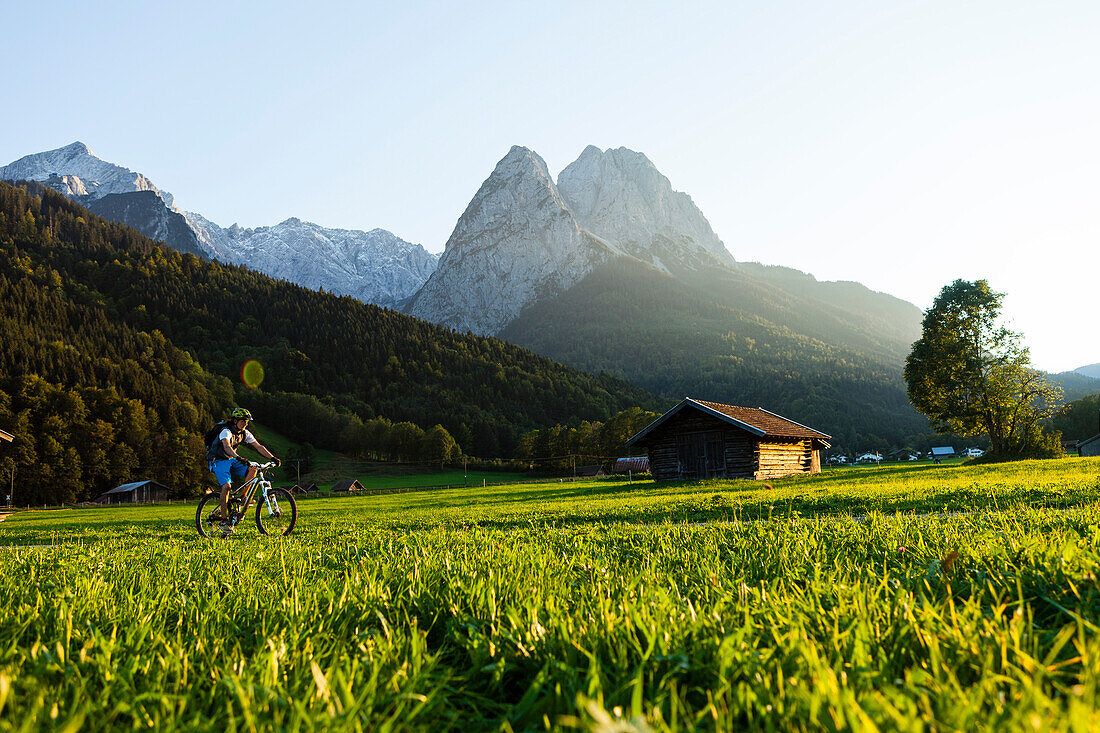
point(755, 420)
point(638, 464)
point(1087, 441)
point(130, 487)
point(348, 485)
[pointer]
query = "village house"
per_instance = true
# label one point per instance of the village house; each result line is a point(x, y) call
point(699, 439)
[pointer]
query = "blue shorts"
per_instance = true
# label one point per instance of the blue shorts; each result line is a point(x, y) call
point(223, 467)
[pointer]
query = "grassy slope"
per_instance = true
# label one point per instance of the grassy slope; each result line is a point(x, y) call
point(281, 446)
point(577, 604)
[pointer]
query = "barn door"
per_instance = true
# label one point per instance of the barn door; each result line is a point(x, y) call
point(702, 455)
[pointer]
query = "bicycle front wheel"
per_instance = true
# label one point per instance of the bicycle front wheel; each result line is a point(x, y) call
point(277, 514)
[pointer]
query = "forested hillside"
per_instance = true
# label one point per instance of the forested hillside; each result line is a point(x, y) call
point(1078, 420)
point(146, 340)
point(755, 336)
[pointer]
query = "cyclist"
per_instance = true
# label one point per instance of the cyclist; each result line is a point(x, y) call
point(226, 463)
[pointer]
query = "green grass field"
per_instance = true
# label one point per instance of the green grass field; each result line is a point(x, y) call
point(329, 467)
point(896, 598)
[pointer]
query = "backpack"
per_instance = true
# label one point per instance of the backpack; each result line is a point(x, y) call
point(214, 449)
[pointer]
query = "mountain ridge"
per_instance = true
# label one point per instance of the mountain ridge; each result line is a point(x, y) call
point(377, 268)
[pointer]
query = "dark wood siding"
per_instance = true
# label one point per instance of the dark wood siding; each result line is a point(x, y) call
point(693, 445)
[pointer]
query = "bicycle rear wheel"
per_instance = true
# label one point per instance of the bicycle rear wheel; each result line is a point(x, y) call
point(277, 514)
point(206, 522)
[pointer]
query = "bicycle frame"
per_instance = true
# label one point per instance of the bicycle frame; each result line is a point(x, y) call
point(247, 490)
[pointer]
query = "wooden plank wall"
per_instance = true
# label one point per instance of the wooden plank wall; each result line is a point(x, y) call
point(775, 459)
point(663, 448)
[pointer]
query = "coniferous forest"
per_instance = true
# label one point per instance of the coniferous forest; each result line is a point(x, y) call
point(119, 353)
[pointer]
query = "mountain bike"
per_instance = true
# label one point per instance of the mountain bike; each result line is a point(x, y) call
point(276, 510)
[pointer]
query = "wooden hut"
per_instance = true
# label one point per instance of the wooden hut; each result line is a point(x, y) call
point(137, 492)
point(589, 471)
point(348, 485)
point(698, 439)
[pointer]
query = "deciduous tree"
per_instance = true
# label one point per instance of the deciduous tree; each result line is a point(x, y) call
point(971, 375)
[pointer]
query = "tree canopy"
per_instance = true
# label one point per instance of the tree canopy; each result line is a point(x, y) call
point(971, 375)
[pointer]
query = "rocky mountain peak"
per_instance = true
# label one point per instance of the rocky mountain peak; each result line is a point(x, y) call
point(620, 196)
point(75, 148)
point(517, 240)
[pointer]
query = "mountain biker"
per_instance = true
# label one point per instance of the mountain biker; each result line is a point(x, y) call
point(226, 463)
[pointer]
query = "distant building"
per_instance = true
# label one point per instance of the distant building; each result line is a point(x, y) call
point(589, 471)
point(938, 454)
point(352, 485)
point(1090, 447)
point(138, 492)
point(699, 439)
point(637, 464)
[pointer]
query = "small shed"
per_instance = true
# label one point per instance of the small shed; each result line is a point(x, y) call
point(637, 464)
point(596, 470)
point(294, 489)
point(942, 452)
point(699, 439)
point(1090, 447)
point(137, 492)
point(348, 485)
point(311, 488)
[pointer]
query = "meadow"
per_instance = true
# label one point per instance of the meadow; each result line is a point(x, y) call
point(894, 598)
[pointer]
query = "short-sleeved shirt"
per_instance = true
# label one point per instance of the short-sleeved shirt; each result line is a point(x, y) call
point(227, 434)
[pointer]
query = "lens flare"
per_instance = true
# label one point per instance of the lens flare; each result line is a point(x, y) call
point(252, 373)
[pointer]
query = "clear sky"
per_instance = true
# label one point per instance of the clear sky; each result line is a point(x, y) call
point(898, 144)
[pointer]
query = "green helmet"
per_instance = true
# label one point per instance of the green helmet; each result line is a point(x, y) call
point(240, 414)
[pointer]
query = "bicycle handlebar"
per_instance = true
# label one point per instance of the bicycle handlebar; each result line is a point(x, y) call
point(262, 466)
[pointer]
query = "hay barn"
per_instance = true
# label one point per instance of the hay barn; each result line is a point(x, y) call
point(352, 485)
point(699, 439)
point(138, 492)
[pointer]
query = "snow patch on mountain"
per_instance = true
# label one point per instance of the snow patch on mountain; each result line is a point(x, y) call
point(375, 267)
point(78, 169)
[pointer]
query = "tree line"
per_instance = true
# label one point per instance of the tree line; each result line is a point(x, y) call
point(305, 419)
point(589, 442)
